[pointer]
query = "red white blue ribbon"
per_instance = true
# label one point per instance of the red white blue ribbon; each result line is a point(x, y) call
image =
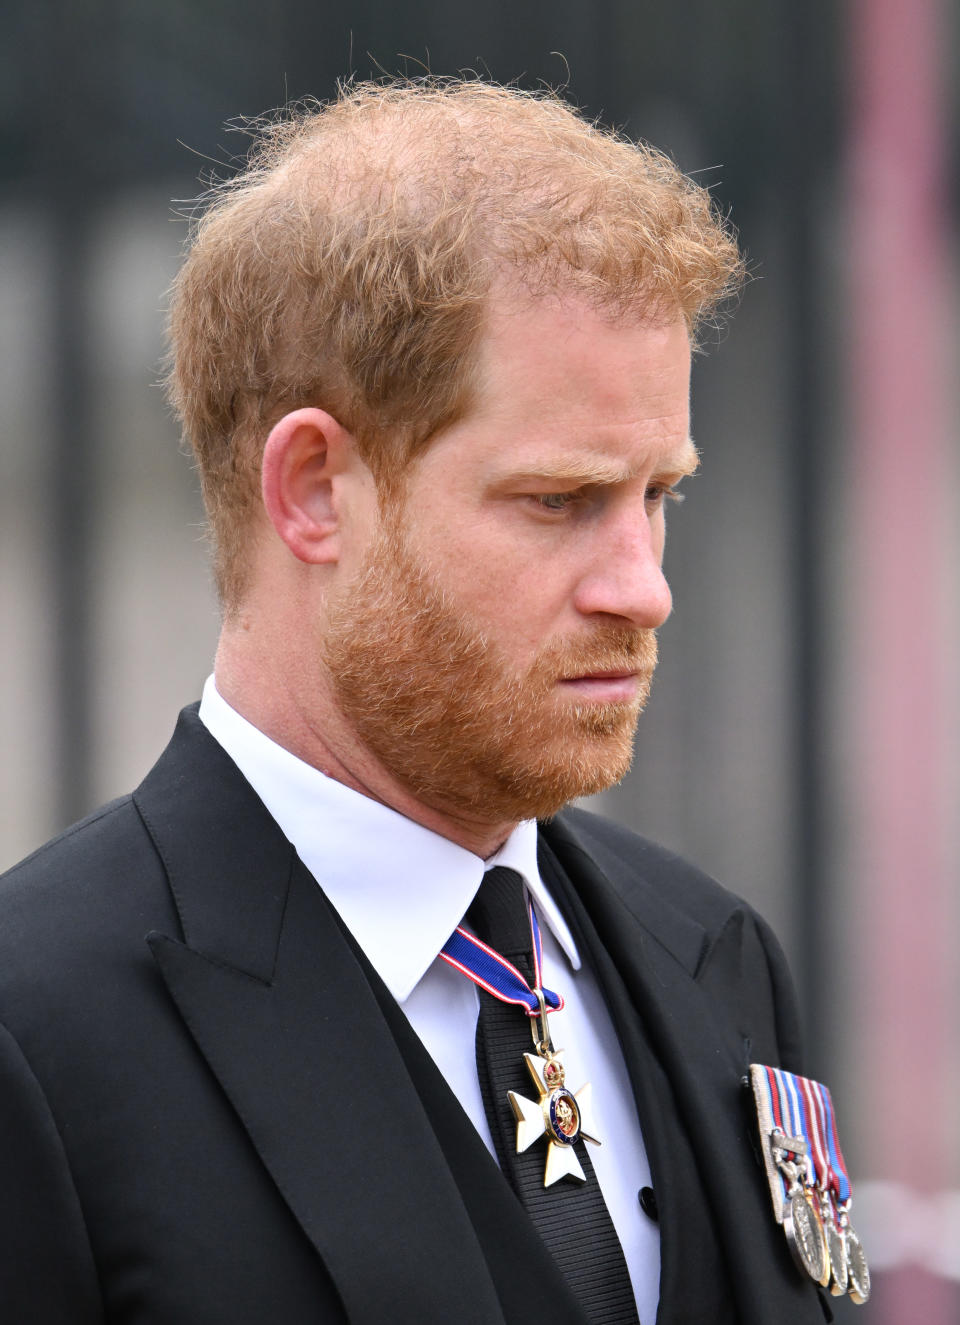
point(839, 1182)
point(804, 1108)
point(487, 969)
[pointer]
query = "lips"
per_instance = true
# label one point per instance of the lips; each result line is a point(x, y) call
point(604, 687)
point(610, 666)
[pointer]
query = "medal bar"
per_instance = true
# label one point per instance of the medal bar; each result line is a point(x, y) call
point(806, 1173)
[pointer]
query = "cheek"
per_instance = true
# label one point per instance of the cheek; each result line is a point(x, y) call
point(518, 597)
point(521, 609)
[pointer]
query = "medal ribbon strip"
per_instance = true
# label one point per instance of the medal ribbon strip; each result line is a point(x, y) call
point(804, 1108)
point(784, 1105)
point(486, 968)
point(823, 1175)
point(838, 1165)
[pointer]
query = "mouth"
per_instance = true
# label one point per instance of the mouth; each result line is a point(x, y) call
point(602, 687)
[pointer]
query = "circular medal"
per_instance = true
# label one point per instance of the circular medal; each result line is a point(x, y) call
point(562, 1116)
point(839, 1279)
point(804, 1231)
point(858, 1271)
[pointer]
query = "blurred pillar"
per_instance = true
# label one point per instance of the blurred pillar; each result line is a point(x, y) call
point(805, 131)
point(76, 167)
point(902, 488)
point(70, 513)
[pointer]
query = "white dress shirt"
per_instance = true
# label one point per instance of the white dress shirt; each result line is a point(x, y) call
point(401, 890)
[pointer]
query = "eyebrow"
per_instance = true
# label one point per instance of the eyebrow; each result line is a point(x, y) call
point(579, 468)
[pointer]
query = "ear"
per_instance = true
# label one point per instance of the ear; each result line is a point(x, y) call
point(305, 459)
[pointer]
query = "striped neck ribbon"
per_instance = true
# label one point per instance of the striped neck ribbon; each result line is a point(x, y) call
point(493, 973)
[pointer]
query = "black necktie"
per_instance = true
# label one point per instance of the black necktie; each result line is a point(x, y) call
point(570, 1216)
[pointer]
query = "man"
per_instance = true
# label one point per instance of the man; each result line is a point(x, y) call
point(432, 352)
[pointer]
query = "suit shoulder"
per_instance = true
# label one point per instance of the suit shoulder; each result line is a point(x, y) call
point(96, 879)
point(626, 856)
point(92, 840)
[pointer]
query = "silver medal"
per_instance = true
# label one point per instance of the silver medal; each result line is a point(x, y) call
point(838, 1258)
point(805, 1238)
point(858, 1271)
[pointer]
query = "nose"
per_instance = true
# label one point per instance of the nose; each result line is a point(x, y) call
point(626, 579)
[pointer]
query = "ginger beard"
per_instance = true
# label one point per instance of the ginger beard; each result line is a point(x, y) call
point(441, 708)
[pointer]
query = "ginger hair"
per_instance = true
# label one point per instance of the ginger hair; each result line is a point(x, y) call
point(348, 266)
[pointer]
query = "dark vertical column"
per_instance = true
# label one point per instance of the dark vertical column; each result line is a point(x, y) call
point(805, 150)
point(77, 65)
point(70, 508)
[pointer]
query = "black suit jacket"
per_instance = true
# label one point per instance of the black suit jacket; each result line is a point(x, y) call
point(213, 1113)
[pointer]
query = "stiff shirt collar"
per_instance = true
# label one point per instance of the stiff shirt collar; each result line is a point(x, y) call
point(400, 888)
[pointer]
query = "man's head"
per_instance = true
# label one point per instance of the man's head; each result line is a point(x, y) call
point(432, 351)
point(351, 266)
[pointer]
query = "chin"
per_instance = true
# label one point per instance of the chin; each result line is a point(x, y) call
point(541, 787)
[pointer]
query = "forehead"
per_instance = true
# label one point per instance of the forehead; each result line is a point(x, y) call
point(560, 383)
point(557, 332)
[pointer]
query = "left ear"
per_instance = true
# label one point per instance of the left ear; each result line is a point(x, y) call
point(306, 457)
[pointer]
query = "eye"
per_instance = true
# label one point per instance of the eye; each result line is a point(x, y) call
point(556, 501)
point(658, 493)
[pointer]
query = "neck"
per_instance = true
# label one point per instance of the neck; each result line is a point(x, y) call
point(290, 701)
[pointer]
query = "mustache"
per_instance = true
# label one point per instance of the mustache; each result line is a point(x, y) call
point(606, 649)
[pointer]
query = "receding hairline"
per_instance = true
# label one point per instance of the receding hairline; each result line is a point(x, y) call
point(372, 146)
point(351, 264)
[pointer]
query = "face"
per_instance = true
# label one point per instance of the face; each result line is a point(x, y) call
point(495, 647)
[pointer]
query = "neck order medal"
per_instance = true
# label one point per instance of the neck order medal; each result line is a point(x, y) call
point(561, 1115)
point(558, 1113)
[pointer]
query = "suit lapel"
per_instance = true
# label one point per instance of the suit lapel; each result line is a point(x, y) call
point(700, 1053)
point(279, 1007)
point(657, 951)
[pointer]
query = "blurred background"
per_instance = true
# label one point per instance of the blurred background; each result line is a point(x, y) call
point(802, 740)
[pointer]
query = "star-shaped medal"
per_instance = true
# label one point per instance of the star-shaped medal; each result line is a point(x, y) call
point(560, 1114)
